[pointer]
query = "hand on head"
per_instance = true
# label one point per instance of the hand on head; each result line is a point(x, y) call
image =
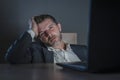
point(33, 26)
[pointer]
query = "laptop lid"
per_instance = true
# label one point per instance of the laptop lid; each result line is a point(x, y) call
point(104, 41)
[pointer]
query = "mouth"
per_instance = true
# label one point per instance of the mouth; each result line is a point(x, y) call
point(52, 39)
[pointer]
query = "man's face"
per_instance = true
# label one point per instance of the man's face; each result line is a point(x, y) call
point(49, 32)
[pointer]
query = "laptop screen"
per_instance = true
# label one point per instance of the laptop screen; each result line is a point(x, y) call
point(104, 41)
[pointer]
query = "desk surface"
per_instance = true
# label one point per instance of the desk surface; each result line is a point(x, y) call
point(49, 72)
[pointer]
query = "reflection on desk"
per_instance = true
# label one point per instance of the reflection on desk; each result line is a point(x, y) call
point(49, 72)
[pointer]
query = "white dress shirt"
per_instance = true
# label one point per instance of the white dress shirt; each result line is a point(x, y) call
point(64, 55)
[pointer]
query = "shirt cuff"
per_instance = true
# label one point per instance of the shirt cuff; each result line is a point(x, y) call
point(32, 34)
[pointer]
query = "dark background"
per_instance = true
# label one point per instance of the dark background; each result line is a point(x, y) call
point(14, 15)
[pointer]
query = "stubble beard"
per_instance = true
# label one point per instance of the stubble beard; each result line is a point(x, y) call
point(54, 43)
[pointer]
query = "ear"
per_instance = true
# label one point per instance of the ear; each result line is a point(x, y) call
point(59, 27)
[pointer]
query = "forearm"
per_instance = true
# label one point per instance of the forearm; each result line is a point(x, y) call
point(19, 52)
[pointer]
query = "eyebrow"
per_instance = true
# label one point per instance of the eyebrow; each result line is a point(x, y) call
point(51, 24)
point(47, 27)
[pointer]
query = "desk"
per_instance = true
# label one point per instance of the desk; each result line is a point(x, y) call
point(48, 72)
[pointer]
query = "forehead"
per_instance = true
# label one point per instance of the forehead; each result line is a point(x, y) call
point(43, 25)
point(45, 22)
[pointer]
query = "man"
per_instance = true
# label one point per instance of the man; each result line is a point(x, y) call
point(43, 43)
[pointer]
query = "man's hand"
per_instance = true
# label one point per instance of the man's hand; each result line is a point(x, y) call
point(33, 26)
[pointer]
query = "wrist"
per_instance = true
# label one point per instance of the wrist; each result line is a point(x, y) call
point(32, 33)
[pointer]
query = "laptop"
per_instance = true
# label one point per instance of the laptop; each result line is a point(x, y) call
point(74, 65)
point(103, 40)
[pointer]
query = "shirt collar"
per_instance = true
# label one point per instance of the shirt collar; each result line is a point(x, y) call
point(53, 49)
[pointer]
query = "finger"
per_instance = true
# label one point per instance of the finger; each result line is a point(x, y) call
point(33, 21)
point(30, 23)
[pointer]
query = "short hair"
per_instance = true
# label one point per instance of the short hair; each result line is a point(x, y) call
point(40, 18)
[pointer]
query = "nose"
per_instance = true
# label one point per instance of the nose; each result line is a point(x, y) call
point(47, 33)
